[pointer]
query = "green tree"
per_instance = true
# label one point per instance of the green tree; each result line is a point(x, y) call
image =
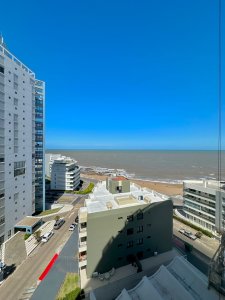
point(57, 218)
point(37, 235)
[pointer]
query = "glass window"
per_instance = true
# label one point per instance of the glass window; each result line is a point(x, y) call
point(130, 231)
point(140, 216)
point(130, 218)
point(130, 244)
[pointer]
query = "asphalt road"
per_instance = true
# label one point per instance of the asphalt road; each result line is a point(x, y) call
point(27, 274)
point(66, 263)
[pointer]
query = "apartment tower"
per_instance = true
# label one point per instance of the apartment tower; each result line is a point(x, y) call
point(21, 142)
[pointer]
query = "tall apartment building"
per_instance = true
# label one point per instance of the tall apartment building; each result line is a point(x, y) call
point(49, 159)
point(19, 139)
point(204, 203)
point(65, 174)
point(118, 228)
point(39, 145)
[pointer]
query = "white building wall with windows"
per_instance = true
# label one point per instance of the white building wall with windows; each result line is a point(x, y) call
point(17, 109)
point(65, 174)
point(204, 203)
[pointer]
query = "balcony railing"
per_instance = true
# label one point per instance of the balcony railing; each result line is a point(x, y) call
point(200, 194)
point(83, 257)
point(199, 201)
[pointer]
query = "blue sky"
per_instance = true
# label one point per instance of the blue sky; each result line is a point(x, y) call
point(121, 74)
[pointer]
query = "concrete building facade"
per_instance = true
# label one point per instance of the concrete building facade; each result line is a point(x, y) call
point(204, 203)
point(127, 227)
point(65, 174)
point(17, 142)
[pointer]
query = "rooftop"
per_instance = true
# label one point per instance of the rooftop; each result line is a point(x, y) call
point(212, 184)
point(102, 200)
point(118, 178)
point(28, 221)
point(179, 280)
point(6, 52)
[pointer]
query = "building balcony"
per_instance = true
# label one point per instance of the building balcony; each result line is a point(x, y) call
point(82, 233)
point(83, 229)
point(201, 194)
point(200, 202)
point(82, 263)
point(82, 247)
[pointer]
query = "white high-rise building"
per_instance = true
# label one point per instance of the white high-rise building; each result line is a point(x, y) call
point(21, 141)
point(204, 203)
point(65, 174)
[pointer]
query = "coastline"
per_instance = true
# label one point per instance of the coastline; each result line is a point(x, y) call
point(170, 189)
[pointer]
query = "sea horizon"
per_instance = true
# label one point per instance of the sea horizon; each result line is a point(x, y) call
point(153, 165)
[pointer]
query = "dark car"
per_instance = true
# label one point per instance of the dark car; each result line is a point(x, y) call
point(59, 223)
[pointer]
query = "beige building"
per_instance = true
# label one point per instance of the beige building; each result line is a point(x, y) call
point(118, 229)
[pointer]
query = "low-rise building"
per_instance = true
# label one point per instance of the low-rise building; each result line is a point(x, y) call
point(204, 203)
point(65, 174)
point(123, 228)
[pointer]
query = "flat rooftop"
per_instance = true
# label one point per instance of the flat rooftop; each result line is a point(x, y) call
point(212, 184)
point(102, 200)
point(118, 178)
point(28, 221)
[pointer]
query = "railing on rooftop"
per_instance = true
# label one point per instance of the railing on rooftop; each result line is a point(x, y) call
point(16, 60)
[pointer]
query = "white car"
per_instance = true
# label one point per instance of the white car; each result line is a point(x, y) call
point(47, 236)
point(72, 227)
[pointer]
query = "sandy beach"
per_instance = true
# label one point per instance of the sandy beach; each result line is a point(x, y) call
point(161, 187)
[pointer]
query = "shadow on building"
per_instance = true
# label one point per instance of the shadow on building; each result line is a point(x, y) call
point(133, 234)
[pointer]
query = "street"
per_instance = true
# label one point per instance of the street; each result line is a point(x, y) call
point(27, 274)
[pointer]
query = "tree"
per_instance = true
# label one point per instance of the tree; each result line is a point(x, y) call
point(37, 235)
point(57, 218)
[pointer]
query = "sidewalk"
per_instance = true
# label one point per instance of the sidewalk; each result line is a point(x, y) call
point(66, 262)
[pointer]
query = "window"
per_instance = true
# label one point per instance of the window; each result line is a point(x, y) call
point(19, 168)
point(120, 231)
point(119, 189)
point(130, 231)
point(140, 241)
point(15, 101)
point(140, 216)
point(15, 85)
point(130, 218)
point(120, 218)
point(2, 69)
point(148, 237)
point(140, 228)
point(16, 196)
point(120, 245)
point(130, 244)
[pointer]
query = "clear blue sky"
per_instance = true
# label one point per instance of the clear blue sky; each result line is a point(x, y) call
point(121, 73)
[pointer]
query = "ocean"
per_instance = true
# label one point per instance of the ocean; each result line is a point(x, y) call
point(168, 166)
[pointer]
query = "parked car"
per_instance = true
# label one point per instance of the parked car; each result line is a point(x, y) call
point(188, 234)
point(2, 265)
point(47, 236)
point(72, 227)
point(59, 223)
